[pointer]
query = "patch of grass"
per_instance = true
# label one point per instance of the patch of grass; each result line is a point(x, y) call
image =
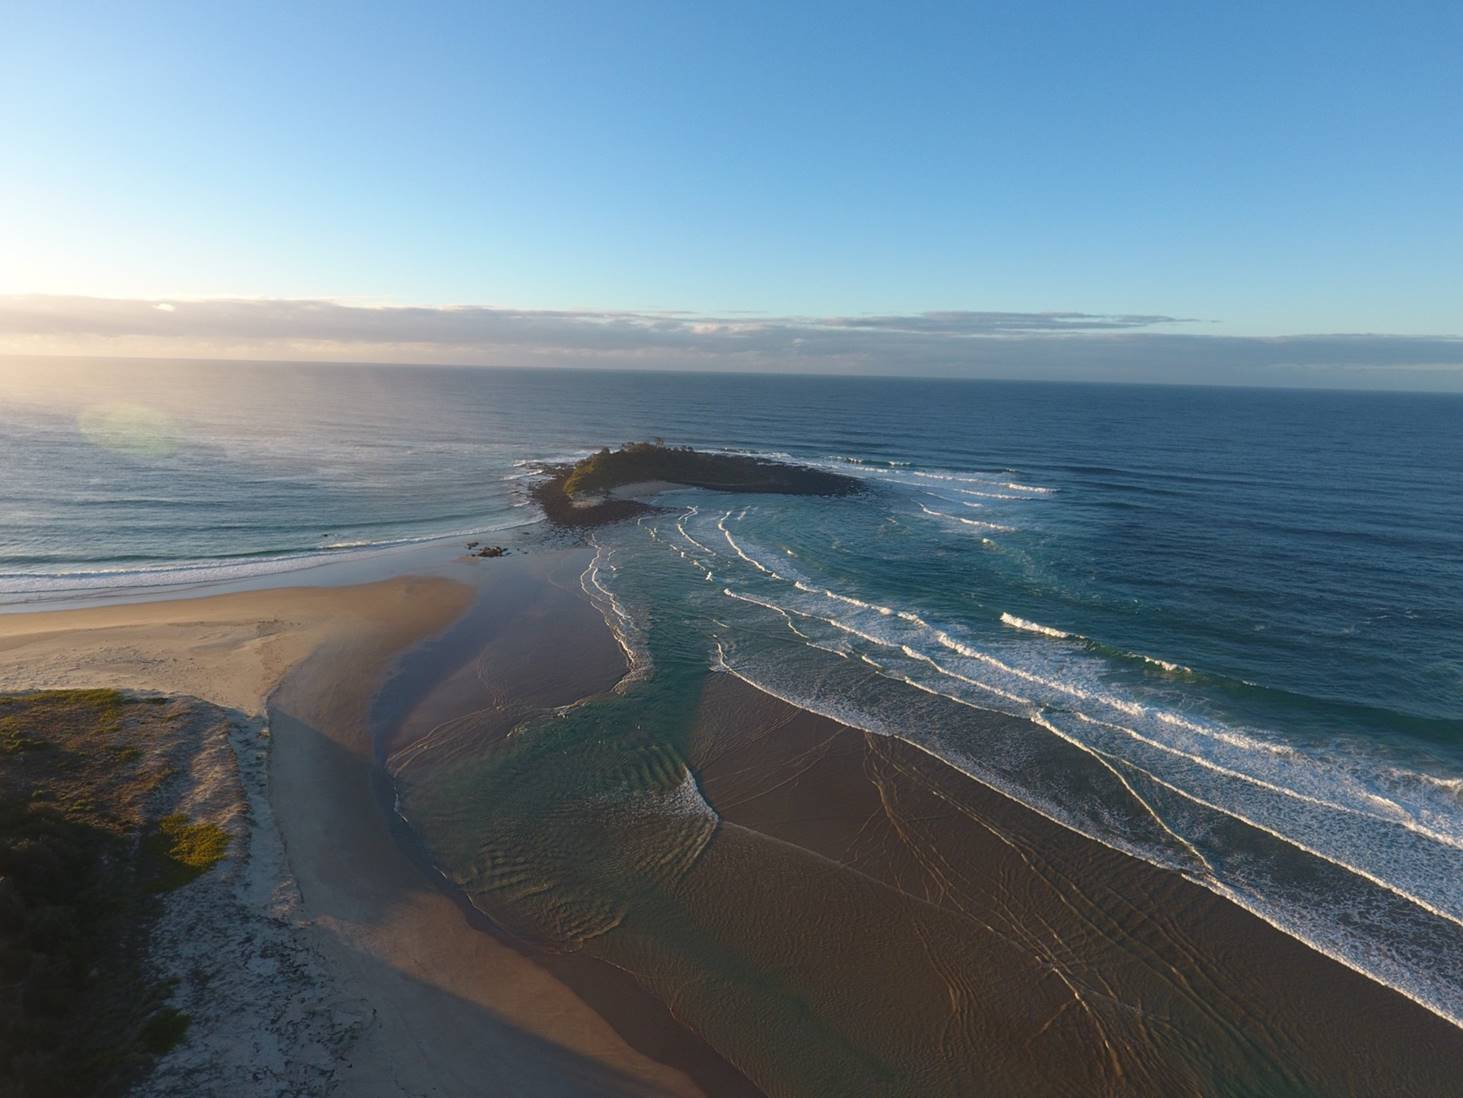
point(13, 741)
point(78, 1015)
point(153, 777)
point(181, 850)
point(30, 718)
point(80, 804)
point(164, 1030)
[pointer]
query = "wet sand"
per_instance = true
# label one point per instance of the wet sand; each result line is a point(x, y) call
point(1026, 958)
point(457, 1010)
point(840, 913)
point(532, 642)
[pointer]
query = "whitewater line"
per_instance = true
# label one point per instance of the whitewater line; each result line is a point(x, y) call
point(1382, 883)
point(1051, 813)
point(729, 593)
point(887, 611)
point(969, 522)
point(1439, 837)
point(1121, 705)
point(1033, 627)
point(1035, 716)
point(987, 495)
point(691, 512)
point(721, 525)
point(1226, 736)
point(1046, 630)
point(1023, 797)
point(787, 618)
point(637, 666)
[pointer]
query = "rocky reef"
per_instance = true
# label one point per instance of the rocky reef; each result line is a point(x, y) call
point(582, 494)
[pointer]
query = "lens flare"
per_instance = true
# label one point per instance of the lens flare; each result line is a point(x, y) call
point(132, 429)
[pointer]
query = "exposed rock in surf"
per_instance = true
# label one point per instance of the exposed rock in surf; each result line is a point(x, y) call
point(583, 494)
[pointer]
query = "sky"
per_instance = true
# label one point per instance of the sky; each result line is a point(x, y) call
point(1210, 192)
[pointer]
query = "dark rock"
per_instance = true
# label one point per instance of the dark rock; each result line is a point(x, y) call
point(578, 495)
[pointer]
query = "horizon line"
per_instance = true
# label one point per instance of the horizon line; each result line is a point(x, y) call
point(672, 371)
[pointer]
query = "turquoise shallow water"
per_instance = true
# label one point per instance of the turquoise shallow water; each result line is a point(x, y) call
point(1245, 608)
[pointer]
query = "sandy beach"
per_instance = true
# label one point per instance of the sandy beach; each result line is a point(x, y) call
point(346, 971)
point(857, 917)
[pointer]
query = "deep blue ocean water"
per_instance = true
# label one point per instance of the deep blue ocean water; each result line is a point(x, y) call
point(1243, 607)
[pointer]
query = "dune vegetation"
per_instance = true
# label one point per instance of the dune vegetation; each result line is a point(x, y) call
point(84, 857)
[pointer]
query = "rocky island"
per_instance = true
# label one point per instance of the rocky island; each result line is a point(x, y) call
point(596, 490)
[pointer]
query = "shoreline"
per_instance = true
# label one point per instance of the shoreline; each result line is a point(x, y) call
point(819, 825)
point(304, 568)
point(379, 960)
point(825, 826)
point(482, 677)
point(1245, 996)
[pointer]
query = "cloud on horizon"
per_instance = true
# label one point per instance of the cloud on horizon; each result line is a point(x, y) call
point(1040, 345)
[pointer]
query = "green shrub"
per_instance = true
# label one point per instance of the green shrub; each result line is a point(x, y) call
point(181, 850)
point(79, 866)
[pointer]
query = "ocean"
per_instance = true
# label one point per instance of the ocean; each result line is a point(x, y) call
point(1231, 618)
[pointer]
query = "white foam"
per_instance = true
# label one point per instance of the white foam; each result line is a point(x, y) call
point(1371, 837)
point(621, 625)
point(1453, 786)
point(977, 523)
point(1033, 627)
point(40, 585)
point(1391, 813)
point(681, 529)
point(850, 600)
point(1167, 665)
point(1354, 948)
point(721, 525)
point(988, 495)
point(1291, 840)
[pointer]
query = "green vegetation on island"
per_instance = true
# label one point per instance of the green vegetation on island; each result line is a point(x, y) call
point(84, 853)
point(582, 494)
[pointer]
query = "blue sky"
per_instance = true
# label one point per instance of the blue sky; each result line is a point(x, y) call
point(1267, 169)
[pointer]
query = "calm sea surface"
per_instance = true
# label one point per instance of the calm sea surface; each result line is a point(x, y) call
point(1245, 607)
